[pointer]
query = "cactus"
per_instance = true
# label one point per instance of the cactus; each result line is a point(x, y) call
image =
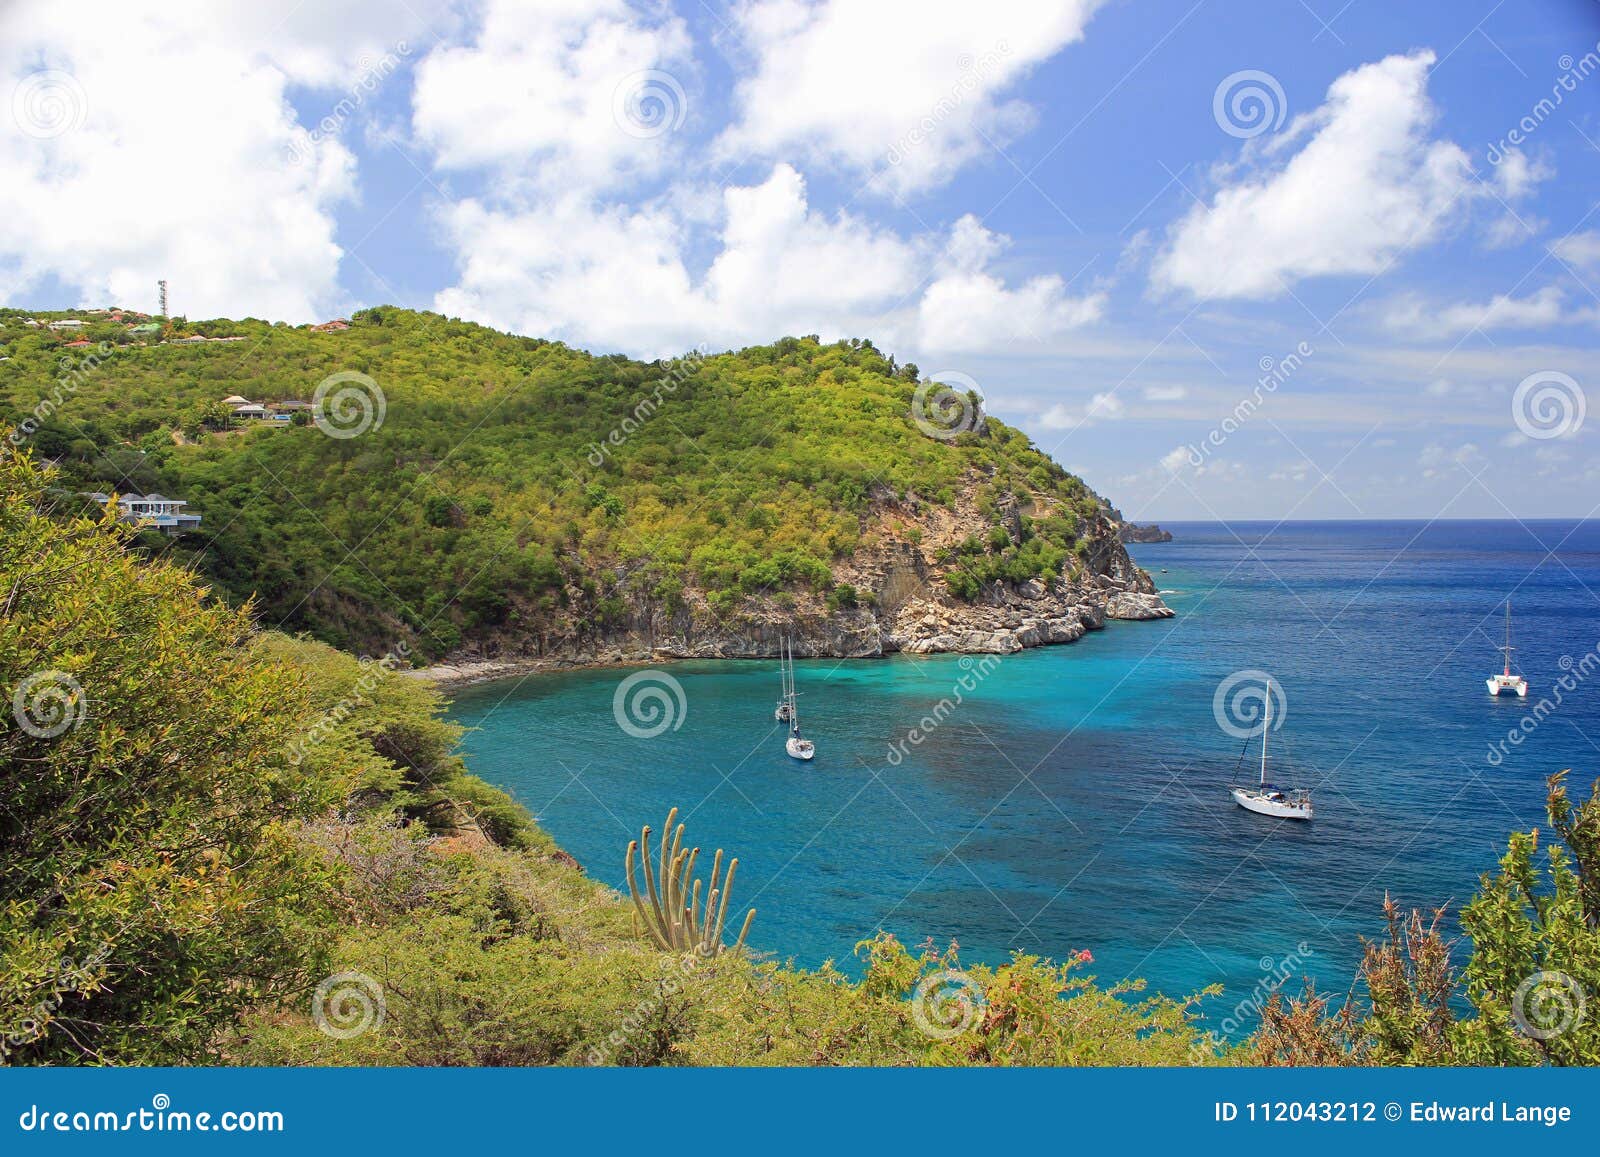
point(670, 905)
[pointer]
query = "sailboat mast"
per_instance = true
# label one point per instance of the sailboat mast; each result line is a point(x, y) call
point(794, 698)
point(1508, 637)
point(1266, 726)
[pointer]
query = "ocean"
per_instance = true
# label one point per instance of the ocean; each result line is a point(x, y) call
point(1070, 798)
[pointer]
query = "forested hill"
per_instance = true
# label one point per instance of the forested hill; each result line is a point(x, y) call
point(459, 490)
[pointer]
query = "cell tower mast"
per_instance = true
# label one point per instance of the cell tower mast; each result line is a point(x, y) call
point(163, 286)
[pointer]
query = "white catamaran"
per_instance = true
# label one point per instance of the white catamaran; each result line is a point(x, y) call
point(1268, 799)
point(789, 709)
point(1507, 683)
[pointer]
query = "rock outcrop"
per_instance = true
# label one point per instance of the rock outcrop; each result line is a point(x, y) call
point(903, 603)
point(1128, 532)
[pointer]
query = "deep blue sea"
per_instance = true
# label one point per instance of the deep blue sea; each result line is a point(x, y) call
point(1076, 797)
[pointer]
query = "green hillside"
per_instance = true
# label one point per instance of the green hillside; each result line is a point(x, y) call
point(226, 845)
point(501, 484)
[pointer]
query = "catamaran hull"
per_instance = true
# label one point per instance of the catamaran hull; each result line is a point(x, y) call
point(1267, 807)
point(1508, 685)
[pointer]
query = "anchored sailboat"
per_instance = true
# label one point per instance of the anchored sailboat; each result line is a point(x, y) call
point(1506, 683)
point(796, 745)
point(783, 711)
point(1268, 799)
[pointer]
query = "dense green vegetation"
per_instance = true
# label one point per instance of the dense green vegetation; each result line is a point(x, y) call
point(1530, 981)
point(513, 481)
point(220, 845)
point(230, 819)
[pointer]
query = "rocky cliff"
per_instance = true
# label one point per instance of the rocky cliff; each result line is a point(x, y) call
point(902, 601)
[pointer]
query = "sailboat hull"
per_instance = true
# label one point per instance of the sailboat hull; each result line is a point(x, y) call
point(1268, 806)
point(800, 748)
point(1508, 685)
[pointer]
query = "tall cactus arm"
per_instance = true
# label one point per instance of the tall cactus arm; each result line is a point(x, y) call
point(641, 914)
point(727, 893)
point(670, 905)
point(649, 878)
point(745, 930)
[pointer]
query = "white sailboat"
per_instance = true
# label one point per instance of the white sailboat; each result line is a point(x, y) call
point(1506, 683)
point(1268, 799)
point(782, 711)
point(796, 745)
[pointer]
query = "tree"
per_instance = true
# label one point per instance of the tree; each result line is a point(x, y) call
point(1532, 974)
point(150, 889)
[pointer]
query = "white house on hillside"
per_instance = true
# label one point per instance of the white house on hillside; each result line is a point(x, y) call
point(166, 514)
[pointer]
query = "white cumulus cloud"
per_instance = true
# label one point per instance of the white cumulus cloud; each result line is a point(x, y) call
point(135, 140)
point(903, 89)
point(1413, 315)
point(564, 92)
point(620, 277)
point(1368, 184)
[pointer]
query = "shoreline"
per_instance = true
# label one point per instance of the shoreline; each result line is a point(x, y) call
point(468, 672)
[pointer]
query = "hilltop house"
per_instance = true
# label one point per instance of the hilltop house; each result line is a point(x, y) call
point(251, 410)
point(166, 514)
point(67, 323)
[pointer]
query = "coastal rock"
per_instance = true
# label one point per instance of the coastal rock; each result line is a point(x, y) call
point(903, 602)
point(1128, 532)
point(1131, 605)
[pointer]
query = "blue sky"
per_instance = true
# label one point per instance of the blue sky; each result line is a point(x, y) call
point(1224, 258)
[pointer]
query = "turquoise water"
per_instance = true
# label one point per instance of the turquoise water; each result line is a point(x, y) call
point(1076, 797)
